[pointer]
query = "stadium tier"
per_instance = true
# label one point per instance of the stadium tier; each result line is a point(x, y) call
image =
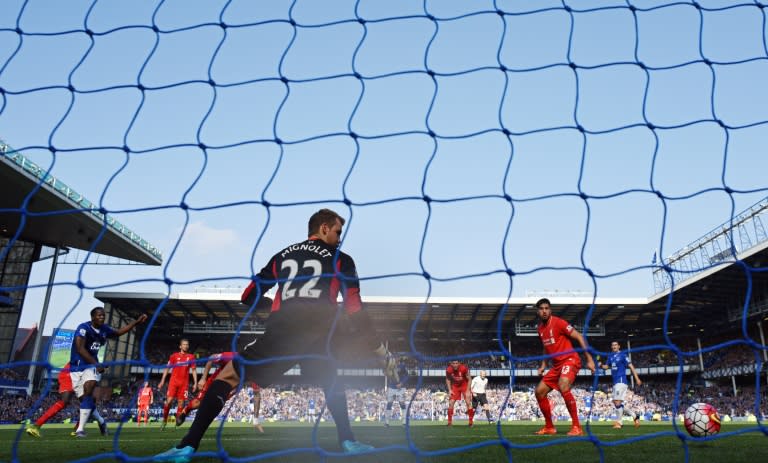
point(445, 328)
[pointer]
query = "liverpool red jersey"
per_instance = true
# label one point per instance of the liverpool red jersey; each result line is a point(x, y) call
point(180, 373)
point(145, 396)
point(555, 336)
point(457, 376)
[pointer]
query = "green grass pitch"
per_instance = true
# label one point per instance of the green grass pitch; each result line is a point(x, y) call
point(652, 442)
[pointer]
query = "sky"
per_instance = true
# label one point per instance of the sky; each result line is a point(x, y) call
point(458, 142)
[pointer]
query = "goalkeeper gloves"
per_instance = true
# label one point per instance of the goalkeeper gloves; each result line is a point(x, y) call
point(388, 363)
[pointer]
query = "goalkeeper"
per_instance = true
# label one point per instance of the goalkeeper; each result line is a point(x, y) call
point(302, 323)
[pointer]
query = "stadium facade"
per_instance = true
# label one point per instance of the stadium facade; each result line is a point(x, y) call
point(41, 217)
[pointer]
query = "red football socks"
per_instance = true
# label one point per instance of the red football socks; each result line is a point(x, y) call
point(570, 404)
point(546, 410)
point(52, 410)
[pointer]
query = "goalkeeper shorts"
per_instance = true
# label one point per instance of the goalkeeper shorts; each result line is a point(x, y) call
point(292, 332)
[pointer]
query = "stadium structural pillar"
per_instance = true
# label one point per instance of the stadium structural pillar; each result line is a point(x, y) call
point(733, 384)
point(511, 373)
point(701, 357)
point(629, 355)
point(765, 352)
point(43, 315)
point(762, 339)
point(386, 345)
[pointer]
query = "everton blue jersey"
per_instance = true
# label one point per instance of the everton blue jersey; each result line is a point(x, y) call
point(94, 339)
point(619, 362)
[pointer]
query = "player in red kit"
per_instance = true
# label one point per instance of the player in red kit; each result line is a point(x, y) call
point(145, 400)
point(67, 393)
point(178, 387)
point(556, 335)
point(217, 360)
point(457, 381)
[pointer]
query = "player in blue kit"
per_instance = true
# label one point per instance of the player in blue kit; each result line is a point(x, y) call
point(618, 362)
point(84, 368)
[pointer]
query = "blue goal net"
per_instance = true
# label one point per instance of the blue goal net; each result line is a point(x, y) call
point(608, 155)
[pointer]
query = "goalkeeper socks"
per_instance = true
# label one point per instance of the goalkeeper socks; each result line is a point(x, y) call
point(336, 401)
point(488, 414)
point(212, 403)
point(52, 410)
point(546, 410)
point(570, 404)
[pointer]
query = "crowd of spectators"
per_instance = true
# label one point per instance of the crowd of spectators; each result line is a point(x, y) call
point(11, 378)
point(366, 402)
point(489, 355)
point(429, 402)
point(653, 401)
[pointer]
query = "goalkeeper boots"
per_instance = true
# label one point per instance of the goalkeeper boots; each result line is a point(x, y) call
point(637, 421)
point(174, 455)
point(103, 428)
point(33, 430)
point(353, 446)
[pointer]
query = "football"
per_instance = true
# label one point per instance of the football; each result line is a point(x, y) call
point(702, 420)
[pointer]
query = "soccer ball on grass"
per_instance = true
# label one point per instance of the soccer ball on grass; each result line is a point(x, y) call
point(702, 420)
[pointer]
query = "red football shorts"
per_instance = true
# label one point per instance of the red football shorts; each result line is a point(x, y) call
point(65, 382)
point(143, 407)
point(568, 368)
point(458, 392)
point(178, 391)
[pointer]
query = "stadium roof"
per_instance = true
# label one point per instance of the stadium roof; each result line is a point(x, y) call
point(702, 306)
point(58, 215)
point(697, 301)
point(717, 297)
point(469, 318)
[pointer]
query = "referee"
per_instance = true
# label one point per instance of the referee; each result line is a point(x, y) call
point(478, 386)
